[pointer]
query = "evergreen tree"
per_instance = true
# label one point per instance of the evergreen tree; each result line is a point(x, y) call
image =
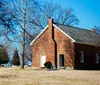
point(16, 59)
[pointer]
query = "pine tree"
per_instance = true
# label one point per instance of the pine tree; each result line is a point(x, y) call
point(15, 60)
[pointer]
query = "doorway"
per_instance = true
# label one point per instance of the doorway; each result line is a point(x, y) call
point(42, 61)
point(61, 60)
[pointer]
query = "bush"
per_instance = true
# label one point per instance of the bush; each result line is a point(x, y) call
point(48, 65)
point(3, 56)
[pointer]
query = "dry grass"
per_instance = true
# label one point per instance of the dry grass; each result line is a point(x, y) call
point(15, 76)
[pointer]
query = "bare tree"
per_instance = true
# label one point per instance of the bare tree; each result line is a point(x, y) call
point(26, 17)
point(59, 14)
point(17, 22)
point(66, 17)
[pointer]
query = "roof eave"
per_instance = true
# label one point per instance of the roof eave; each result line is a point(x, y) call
point(87, 44)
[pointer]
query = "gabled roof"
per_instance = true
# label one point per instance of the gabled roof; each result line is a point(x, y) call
point(45, 30)
point(77, 35)
point(81, 35)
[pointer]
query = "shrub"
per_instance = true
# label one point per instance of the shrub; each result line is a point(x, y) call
point(3, 56)
point(48, 65)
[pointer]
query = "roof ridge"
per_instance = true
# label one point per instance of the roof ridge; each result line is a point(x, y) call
point(73, 26)
point(77, 28)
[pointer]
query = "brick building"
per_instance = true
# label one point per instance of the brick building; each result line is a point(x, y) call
point(66, 47)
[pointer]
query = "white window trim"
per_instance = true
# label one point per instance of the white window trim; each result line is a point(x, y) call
point(97, 58)
point(82, 55)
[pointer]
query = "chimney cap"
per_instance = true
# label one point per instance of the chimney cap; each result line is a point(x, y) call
point(50, 19)
point(92, 29)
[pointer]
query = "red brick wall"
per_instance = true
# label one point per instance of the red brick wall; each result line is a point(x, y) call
point(89, 56)
point(64, 46)
point(43, 46)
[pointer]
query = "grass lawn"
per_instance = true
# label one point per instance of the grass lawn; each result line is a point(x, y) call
point(29, 76)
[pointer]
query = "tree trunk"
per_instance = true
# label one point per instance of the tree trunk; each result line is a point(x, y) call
point(23, 49)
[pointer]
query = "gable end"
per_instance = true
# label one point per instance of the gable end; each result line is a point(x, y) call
point(46, 29)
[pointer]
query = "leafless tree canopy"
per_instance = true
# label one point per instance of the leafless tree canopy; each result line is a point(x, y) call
point(59, 14)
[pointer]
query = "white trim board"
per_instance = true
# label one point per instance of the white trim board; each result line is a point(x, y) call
point(38, 35)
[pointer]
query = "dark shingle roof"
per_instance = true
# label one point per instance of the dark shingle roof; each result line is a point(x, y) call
point(81, 35)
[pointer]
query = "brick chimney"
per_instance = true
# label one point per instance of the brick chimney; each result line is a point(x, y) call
point(52, 48)
point(50, 29)
point(92, 29)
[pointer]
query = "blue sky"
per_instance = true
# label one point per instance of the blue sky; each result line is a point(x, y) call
point(87, 11)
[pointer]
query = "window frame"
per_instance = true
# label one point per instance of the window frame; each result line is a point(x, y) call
point(96, 58)
point(59, 60)
point(81, 57)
